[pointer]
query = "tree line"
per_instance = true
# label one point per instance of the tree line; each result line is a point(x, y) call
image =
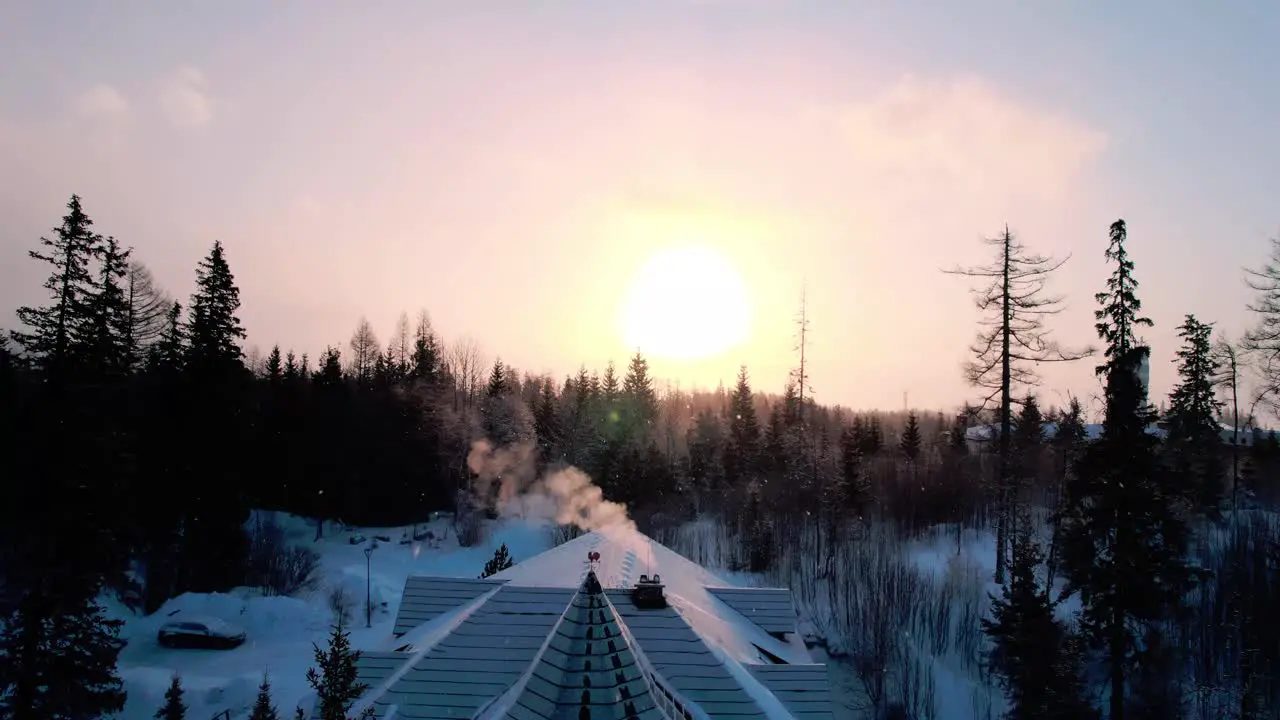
point(138, 437)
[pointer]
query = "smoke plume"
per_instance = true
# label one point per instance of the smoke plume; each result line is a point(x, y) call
point(507, 477)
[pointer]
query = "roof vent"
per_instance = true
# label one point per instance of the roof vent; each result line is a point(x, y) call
point(648, 593)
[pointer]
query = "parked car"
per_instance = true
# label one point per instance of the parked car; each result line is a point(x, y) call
point(210, 633)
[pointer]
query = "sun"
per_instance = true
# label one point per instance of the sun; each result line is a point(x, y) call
point(686, 303)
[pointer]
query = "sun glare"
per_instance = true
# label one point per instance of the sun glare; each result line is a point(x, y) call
point(686, 303)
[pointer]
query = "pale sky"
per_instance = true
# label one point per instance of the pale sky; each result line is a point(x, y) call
point(510, 165)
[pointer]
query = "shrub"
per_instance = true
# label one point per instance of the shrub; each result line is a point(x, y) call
point(341, 603)
point(276, 566)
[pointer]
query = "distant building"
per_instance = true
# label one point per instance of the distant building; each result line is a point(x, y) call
point(610, 625)
point(983, 438)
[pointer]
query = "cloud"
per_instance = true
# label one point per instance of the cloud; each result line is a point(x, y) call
point(104, 102)
point(964, 135)
point(184, 98)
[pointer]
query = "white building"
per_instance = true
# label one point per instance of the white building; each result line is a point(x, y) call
point(582, 631)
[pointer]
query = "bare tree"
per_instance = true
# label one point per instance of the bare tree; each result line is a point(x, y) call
point(400, 349)
point(364, 351)
point(1229, 379)
point(1263, 341)
point(1012, 339)
point(465, 366)
point(148, 310)
point(255, 360)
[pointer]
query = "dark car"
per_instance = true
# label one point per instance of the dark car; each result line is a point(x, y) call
point(209, 633)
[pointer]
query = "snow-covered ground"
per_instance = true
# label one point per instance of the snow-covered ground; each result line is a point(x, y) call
point(281, 630)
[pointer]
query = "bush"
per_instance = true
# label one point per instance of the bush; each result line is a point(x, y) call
point(274, 565)
point(468, 527)
point(341, 603)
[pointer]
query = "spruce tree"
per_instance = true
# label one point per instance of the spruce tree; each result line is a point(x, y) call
point(110, 351)
point(546, 423)
point(336, 682)
point(742, 451)
point(498, 384)
point(1031, 649)
point(60, 655)
point(909, 444)
point(500, 561)
point(262, 707)
point(1194, 437)
point(1124, 536)
point(426, 361)
point(56, 333)
point(174, 708)
point(857, 488)
point(170, 351)
point(275, 368)
point(214, 330)
point(215, 545)
point(640, 400)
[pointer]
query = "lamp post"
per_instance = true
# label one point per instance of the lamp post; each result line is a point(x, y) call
point(368, 595)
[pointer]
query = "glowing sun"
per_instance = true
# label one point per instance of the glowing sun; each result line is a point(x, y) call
point(686, 303)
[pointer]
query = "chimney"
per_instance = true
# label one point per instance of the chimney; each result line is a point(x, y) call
point(648, 593)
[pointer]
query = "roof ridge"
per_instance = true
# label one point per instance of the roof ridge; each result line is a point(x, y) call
point(574, 688)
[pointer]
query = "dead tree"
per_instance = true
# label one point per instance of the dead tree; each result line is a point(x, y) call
point(1012, 339)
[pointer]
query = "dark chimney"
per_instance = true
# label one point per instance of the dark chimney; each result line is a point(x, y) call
point(648, 593)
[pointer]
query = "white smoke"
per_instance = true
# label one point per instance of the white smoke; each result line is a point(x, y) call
point(507, 476)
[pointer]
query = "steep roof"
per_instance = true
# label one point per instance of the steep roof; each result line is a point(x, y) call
point(557, 636)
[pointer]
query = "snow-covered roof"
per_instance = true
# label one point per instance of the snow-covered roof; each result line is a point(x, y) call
point(540, 639)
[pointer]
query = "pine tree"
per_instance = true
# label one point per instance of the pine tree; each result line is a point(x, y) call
point(174, 708)
point(262, 707)
point(857, 486)
point(60, 655)
point(500, 561)
point(1013, 339)
point(909, 444)
point(706, 443)
point(426, 352)
point(757, 530)
point(1192, 418)
point(214, 330)
point(1124, 537)
point(337, 681)
point(1025, 447)
point(275, 369)
point(546, 422)
point(170, 352)
point(640, 400)
point(609, 387)
point(110, 352)
point(742, 451)
point(56, 332)
point(330, 372)
point(498, 385)
point(1031, 651)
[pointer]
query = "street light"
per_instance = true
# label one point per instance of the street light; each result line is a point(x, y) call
point(368, 595)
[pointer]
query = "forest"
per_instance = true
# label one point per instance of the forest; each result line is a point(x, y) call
point(1135, 558)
